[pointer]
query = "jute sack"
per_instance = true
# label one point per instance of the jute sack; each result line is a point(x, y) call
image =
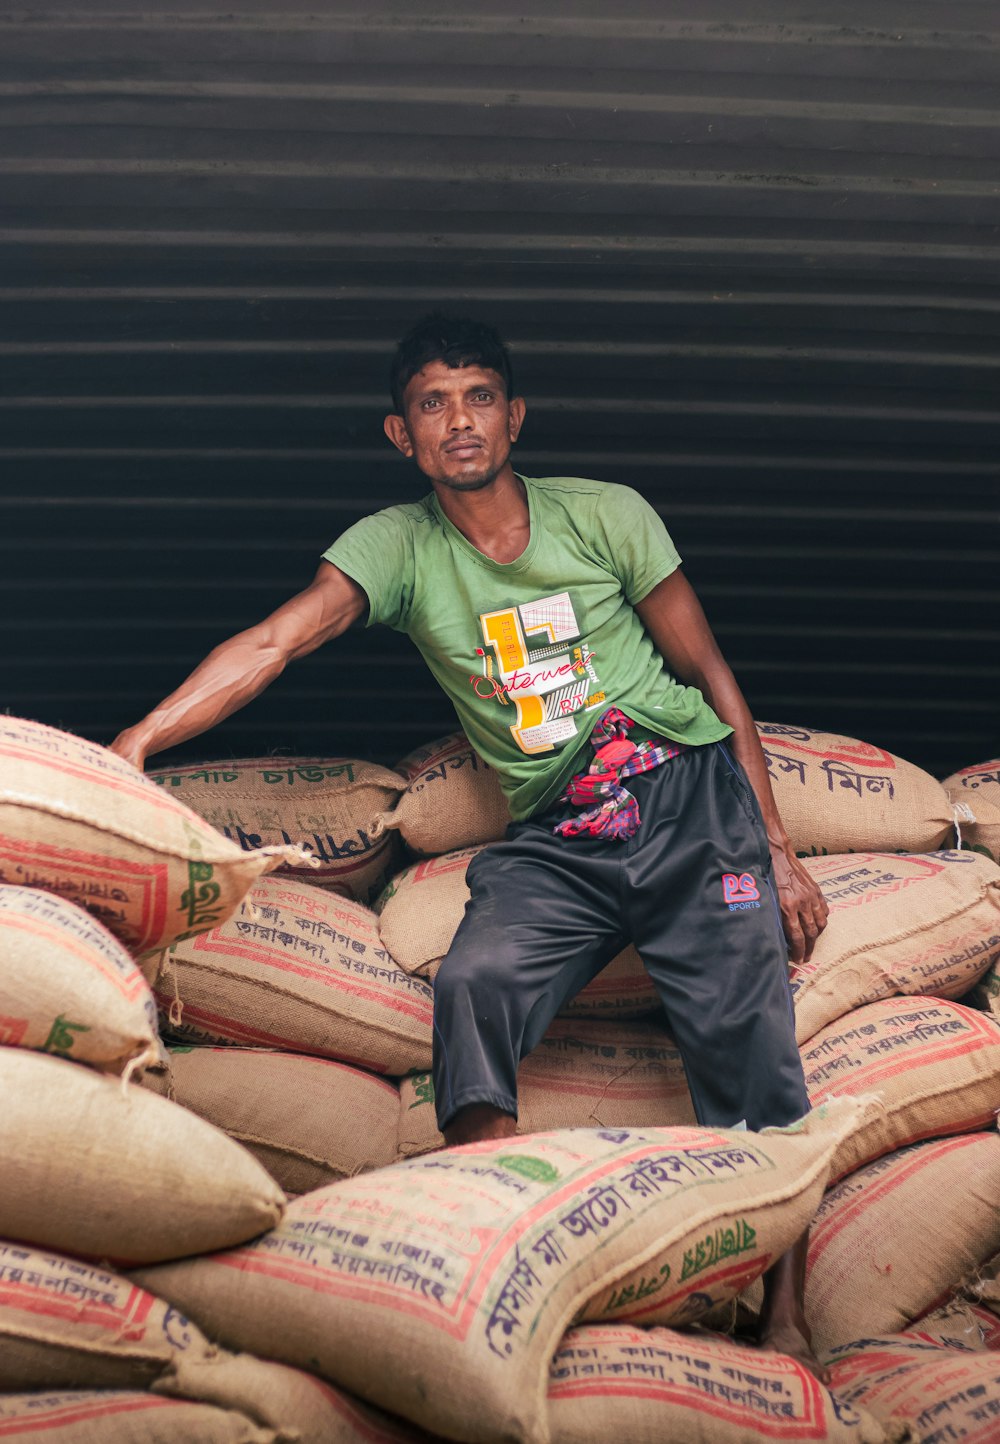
point(897, 925)
point(71, 1325)
point(298, 1405)
point(329, 804)
point(933, 1393)
point(648, 1386)
point(959, 1324)
point(453, 798)
point(836, 794)
point(986, 994)
point(983, 835)
point(78, 821)
point(982, 1285)
point(420, 910)
point(419, 914)
point(976, 793)
point(934, 1065)
point(308, 1121)
point(582, 1075)
point(300, 969)
point(865, 1274)
point(620, 991)
point(67, 985)
point(111, 1171)
point(99, 1417)
point(467, 1266)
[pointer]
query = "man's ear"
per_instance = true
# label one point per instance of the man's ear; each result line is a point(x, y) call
point(516, 413)
point(395, 429)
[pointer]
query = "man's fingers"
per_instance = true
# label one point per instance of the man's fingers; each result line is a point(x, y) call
point(817, 922)
point(812, 932)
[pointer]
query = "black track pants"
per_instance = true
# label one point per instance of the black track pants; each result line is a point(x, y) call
point(692, 890)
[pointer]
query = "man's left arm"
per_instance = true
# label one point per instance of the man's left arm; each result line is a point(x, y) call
point(672, 615)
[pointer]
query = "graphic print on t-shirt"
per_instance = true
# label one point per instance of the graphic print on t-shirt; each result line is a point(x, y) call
point(535, 658)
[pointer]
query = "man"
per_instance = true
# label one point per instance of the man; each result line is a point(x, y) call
point(554, 614)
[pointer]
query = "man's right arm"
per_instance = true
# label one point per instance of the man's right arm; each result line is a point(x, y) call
point(238, 670)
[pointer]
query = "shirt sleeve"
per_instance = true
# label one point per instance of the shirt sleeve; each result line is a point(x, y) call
point(377, 553)
point(639, 547)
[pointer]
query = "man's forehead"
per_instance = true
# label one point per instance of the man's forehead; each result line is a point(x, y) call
point(438, 376)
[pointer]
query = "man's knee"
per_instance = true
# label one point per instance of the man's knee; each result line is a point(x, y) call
point(471, 974)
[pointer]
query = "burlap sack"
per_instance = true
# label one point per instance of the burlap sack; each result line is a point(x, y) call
point(653, 1386)
point(421, 908)
point(898, 925)
point(933, 1393)
point(453, 798)
point(300, 969)
point(96, 1417)
point(298, 1405)
point(308, 1121)
point(96, 1167)
point(986, 994)
point(582, 1075)
point(934, 1065)
point(419, 914)
point(329, 804)
point(78, 821)
point(975, 791)
point(621, 991)
point(467, 1266)
point(983, 835)
point(70, 1325)
point(67, 986)
point(891, 1239)
point(836, 794)
point(959, 1324)
point(982, 1285)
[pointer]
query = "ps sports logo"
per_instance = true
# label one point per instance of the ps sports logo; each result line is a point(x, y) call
point(740, 892)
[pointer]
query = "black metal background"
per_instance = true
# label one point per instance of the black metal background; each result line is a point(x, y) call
point(746, 254)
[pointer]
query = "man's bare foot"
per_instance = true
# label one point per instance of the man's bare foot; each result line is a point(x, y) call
point(477, 1123)
point(783, 1328)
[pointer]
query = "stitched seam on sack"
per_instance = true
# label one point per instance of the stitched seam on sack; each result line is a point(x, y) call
point(903, 937)
point(950, 1091)
point(281, 993)
point(288, 1150)
point(157, 845)
point(88, 1346)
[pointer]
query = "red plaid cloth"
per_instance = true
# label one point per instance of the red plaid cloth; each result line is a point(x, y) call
point(611, 810)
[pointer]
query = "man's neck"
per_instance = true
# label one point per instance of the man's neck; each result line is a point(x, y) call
point(495, 520)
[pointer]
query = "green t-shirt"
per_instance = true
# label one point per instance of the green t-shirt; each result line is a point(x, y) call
point(532, 651)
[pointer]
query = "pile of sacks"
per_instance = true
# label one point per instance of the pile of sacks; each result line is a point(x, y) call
point(576, 1282)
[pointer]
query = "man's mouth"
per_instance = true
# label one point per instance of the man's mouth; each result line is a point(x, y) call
point(463, 449)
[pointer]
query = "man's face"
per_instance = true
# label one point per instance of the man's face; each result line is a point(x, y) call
point(458, 425)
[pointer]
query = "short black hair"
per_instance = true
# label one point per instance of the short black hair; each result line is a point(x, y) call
point(455, 340)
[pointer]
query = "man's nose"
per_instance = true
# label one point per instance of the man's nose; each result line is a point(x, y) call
point(459, 418)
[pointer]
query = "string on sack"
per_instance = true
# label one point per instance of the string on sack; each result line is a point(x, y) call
point(960, 812)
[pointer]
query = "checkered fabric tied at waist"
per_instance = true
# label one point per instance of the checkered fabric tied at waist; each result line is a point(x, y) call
point(610, 810)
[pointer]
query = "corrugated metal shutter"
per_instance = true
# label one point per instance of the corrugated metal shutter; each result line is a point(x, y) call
point(746, 256)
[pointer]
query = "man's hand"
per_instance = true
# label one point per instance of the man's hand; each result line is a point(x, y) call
point(130, 746)
point(804, 909)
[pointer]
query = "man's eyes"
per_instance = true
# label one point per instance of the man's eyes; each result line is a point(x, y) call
point(482, 397)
